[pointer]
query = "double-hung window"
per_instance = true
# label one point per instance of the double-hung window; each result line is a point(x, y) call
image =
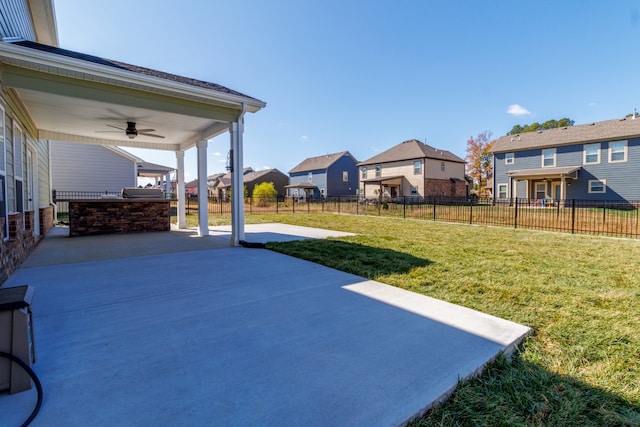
point(508, 158)
point(617, 151)
point(378, 171)
point(363, 172)
point(548, 157)
point(502, 191)
point(417, 167)
point(591, 154)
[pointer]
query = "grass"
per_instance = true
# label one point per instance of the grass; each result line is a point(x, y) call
point(580, 294)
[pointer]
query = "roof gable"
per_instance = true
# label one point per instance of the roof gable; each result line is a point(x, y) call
point(591, 132)
point(320, 162)
point(409, 150)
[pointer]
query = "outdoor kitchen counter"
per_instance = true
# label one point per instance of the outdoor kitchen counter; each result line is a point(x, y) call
point(118, 216)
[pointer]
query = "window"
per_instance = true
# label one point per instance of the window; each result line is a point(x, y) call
point(378, 171)
point(591, 154)
point(502, 191)
point(541, 190)
point(508, 158)
point(414, 189)
point(617, 151)
point(549, 157)
point(442, 166)
point(363, 172)
point(345, 176)
point(18, 167)
point(310, 177)
point(417, 167)
point(597, 186)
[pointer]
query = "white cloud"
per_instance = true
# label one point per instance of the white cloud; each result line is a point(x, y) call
point(217, 154)
point(266, 167)
point(304, 138)
point(517, 110)
point(592, 104)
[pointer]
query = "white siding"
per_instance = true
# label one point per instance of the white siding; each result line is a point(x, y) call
point(15, 20)
point(83, 167)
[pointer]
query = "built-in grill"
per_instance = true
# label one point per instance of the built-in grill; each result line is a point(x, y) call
point(142, 193)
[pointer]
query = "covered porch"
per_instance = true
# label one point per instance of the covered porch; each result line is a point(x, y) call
point(547, 186)
point(384, 187)
point(74, 97)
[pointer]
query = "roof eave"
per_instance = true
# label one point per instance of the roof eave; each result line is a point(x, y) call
point(58, 62)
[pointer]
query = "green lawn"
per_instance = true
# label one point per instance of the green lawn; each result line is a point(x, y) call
point(580, 294)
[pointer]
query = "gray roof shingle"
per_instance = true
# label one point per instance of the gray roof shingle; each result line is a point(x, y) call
point(320, 162)
point(591, 132)
point(411, 149)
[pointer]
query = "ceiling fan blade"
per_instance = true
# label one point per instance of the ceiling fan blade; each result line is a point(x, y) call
point(150, 134)
point(108, 131)
point(146, 130)
point(116, 127)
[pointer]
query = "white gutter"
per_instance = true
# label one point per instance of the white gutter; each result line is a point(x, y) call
point(46, 59)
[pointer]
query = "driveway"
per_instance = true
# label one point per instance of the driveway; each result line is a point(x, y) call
point(200, 334)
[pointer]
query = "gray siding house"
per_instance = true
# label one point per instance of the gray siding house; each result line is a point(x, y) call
point(331, 175)
point(594, 161)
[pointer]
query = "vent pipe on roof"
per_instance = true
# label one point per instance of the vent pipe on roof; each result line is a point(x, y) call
point(635, 113)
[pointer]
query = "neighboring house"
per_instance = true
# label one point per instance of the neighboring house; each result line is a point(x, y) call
point(212, 181)
point(413, 168)
point(331, 175)
point(223, 187)
point(251, 179)
point(280, 180)
point(594, 161)
point(81, 168)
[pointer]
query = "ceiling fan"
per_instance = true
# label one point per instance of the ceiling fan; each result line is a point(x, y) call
point(132, 132)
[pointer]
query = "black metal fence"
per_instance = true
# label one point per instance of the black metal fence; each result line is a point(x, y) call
point(596, 217)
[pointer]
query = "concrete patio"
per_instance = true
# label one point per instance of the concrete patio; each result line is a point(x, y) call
point(167, 329)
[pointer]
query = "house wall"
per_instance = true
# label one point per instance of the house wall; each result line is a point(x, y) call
point(621, 178)
point(451, 169)
point(18, 235)
point(15, 20)
point(318, 178)
point(401, 168)
point(88, 167)
point(336, 186)
point(278, 179)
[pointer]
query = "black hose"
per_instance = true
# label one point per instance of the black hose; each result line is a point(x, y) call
point(35, 379)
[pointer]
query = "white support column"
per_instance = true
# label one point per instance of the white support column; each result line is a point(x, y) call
point(35, 179)
point(237, 183)
point(167, 185)
point(203, 195)
point(182, 218)
point(563, 190)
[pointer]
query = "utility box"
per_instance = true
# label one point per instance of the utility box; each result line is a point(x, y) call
point(16, 337)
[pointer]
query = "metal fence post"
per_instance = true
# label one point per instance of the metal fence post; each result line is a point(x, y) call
point(515, 215)
point(404, 208)
point(573, 216)
point(470, 212)
point(434, 208)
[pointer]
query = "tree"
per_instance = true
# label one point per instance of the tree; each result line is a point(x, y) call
point(535, 126)
point(264, 193)
point(478, 159)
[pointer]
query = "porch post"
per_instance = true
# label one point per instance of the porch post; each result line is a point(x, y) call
point(237, 183)
point(203, 195)
point(182, 219)
point(563, 184)
point(167, 185)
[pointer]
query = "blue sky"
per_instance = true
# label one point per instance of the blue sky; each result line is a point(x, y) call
point(366, 75)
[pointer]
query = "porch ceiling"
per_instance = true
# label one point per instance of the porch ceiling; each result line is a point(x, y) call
point(69, 98)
